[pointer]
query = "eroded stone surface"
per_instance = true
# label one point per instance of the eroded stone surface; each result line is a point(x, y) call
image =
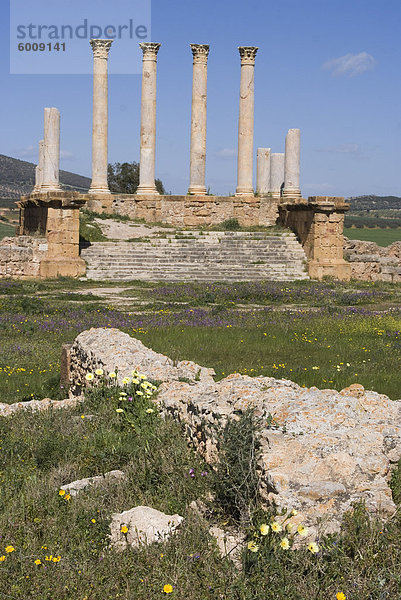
point(36, 405)
point(144, 525)
point(323, 451)
point(75, 487)
point(371, 262)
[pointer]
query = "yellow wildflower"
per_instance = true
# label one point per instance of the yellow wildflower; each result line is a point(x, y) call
point(89, 376)
point(302, 530)
point(99, 372)
point(56, 559)
point(124, 529)
point(67, 497)
point(93, 520)
point(285, 544)
point(149, 410)
point(112, 375)
point(61, 493)
point(9, 549)
point(264, 529)
point(126, 380)
point(2, 558)
point(313, 547)
point(252, 546)
point(276, 527)
point(49, 558)
point(119, 410)
point(167, 589)
point(38, 562)
point(340, 596)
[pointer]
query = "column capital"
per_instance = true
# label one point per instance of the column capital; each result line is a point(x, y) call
point(200, 52)
point(149, 50)
point(248, 54)
point(101, 48)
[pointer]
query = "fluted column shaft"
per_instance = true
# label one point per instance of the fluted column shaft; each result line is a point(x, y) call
point(39, 168)
point(263, 171)
point(51, 150)
point(197, 168)
point(99, 183)
point(245, 121)
point(148, 120)
point(276, 174)
point(292, 164)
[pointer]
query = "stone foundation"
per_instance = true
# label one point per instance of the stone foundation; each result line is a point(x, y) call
point(55, 216)
point(319, 225)
point(20, 257)
point(370, 262)
point(198, 210)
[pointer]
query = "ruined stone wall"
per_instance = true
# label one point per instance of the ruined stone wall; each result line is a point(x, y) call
point(196, 211)
point(20, 257)
point(370, 262)
point(319, 224)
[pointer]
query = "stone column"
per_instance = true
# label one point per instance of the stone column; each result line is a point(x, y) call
point(245, 122)
point(39, 168)
point(148, 120)
point(200, 53)
point(263, 171)
point(99, 183)
point(292, 164)
point(51, 151)
point(276, 174)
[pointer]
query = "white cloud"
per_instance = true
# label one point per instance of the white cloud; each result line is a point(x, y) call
point(350, 64)
point(66, 155)
point(226, 152)
point(343, 149)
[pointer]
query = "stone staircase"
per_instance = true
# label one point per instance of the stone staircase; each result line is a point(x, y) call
point(199, 256)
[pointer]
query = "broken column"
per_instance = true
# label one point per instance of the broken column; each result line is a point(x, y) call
point(292, 165)
point(39, 169)
point(99, 183)
point(200, 54)
point(148, 120)
point(263, 171)
point(51, 151)
point(276, 174)
point(245, 122)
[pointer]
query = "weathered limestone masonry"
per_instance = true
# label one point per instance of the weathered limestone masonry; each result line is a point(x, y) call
point(20, 257)
point(276, 174)
point(51, 152)
point(263, 171)
point(292, 165)
point(99, 183)
point(54, 216)
point(327, 449)
point(195, 210)
point(39, 168)
point(197, 168)
point(371, 262)
point(148, 120)
point(245, 121)
point(319, 225)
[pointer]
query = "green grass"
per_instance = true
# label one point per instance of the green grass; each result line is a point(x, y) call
point(304, 325)
point(382, 237)
point(6, 230)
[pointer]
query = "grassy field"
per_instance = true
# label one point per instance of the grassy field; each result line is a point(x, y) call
point(382, 237)
point(324, 334)
point(6, 230)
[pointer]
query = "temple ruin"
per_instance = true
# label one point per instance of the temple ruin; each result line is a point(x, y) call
point(51, 215)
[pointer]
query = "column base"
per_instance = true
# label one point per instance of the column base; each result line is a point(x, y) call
point(49, 187)
point(98, 189)
point(292, 194)
point(335, 268)
point(197, 190)
point(244, 191)
point(274, 195)
point(68, 267)
point(147, 190)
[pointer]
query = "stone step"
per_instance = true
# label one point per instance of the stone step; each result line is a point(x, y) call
point(223, 256)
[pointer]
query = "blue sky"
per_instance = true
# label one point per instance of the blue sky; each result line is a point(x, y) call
point(328, 67)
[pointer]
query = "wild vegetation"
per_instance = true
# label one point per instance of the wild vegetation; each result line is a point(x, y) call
point(324, 334)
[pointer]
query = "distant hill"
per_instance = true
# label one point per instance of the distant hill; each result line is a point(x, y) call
point(17, 178)
point(374, 202)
